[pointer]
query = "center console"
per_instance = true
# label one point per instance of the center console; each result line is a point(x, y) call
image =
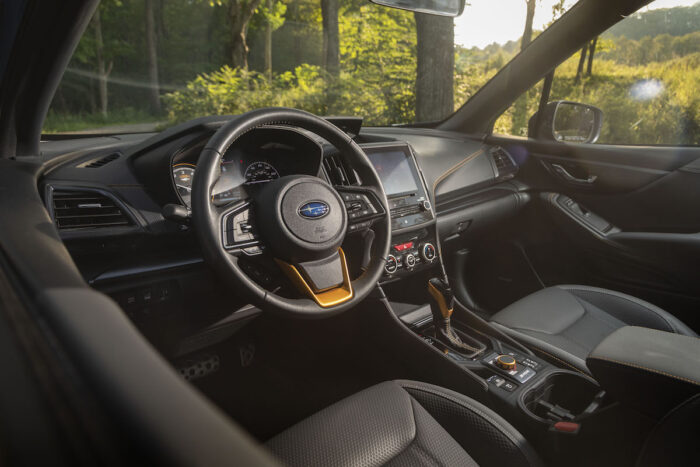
point(412, 216)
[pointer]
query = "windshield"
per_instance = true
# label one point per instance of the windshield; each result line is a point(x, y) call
point(144, 65)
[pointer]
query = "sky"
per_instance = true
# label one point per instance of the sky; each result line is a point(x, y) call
point(487, 21)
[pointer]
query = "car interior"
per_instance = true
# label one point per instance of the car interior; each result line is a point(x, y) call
point(278, 287)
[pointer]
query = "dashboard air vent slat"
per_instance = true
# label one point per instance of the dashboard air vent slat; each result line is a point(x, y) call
point(338, 173)
point(86, 210)
point(99, 162)
point(503, 161)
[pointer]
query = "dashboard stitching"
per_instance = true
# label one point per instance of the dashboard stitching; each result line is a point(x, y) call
point(453, 169)
point(441, 178)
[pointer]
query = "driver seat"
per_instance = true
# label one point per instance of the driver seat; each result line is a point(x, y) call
point(404, 423)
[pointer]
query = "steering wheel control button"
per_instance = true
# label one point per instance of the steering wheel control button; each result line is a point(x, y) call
point(428, 252)
point(242, 229)
point(253, 250)
point(391, 264)
point(359, 207)
point(239, 228)
point(505, 362)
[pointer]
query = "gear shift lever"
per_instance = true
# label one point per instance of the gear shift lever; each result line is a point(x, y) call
point(442, 293)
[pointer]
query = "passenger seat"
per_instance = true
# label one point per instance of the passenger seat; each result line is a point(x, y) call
point(566, 322)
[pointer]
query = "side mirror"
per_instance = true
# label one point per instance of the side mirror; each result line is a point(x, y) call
point(567, 122)
point(432, 7)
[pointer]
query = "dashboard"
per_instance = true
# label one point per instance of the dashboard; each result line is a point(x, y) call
point(108, 197)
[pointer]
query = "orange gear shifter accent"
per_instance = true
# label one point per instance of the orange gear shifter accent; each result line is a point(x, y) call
point(442, 294)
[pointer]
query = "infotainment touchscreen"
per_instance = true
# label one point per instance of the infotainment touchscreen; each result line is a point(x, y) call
point(404, 188)
point(394, 169)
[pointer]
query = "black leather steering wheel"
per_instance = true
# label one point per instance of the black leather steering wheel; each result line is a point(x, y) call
point(301, 220)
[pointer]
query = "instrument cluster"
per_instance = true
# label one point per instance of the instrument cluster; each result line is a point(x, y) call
point(257, 158)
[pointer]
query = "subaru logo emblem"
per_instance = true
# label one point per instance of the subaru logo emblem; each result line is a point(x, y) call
point(314, 210)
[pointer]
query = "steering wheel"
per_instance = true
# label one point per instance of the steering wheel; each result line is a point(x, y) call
point(301, 220)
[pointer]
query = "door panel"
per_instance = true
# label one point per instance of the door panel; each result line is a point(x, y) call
point(635, 226)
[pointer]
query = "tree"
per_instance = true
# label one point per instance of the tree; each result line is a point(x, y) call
point(435, 67)
point(529, 17)
point(331, 36)
point(102, 73)
point(268, 42)
point(269, 17)
point(581, 63)
point(240, 13)
point(152, 52)
point(591, 51)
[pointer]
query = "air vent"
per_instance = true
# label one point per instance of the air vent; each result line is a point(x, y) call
point(86, 210)
point(99, 162)
point(338, 173)
point(504, 163)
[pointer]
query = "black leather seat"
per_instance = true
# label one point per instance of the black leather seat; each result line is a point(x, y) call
point(404, 423)
point(566, 322)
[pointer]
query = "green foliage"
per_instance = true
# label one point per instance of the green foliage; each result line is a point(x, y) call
point(670, 117)
point(377, 76)
point(66, 122)
point(677, 21)
point(378, 68)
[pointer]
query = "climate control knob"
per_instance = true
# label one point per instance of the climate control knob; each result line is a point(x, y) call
point(428, 252)
point(409, 260)
point(391, 264)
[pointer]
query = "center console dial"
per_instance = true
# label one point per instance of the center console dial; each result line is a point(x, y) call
point(391, 264)
point(409, 260)
point(505, 362)
point(428, 252)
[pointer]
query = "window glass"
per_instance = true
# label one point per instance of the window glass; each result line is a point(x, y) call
point(643, 74)
point(143, 65)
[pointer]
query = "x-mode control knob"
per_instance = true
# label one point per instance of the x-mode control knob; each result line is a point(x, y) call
point(505, 362)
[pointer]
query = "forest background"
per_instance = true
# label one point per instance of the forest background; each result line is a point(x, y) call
point(168, 61)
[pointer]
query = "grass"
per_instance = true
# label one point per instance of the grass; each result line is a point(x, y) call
point(65, 122)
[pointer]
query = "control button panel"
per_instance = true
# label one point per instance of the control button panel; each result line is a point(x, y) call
point(521, 374)
point(501, 382)
point(362, 210)
point(407, 211)
point(239, 230)
point(409, 253)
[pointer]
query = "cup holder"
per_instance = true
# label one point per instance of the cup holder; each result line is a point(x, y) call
point(562, 396)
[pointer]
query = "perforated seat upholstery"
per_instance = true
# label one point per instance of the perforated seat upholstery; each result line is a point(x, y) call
point(404, 423)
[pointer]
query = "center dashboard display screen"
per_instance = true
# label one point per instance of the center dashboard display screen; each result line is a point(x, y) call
point(394, 169)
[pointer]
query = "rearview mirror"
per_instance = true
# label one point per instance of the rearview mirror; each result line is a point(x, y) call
point(567, 122)
point(432, 7)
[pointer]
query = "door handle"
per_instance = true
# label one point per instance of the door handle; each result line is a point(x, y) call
point(558, 168)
